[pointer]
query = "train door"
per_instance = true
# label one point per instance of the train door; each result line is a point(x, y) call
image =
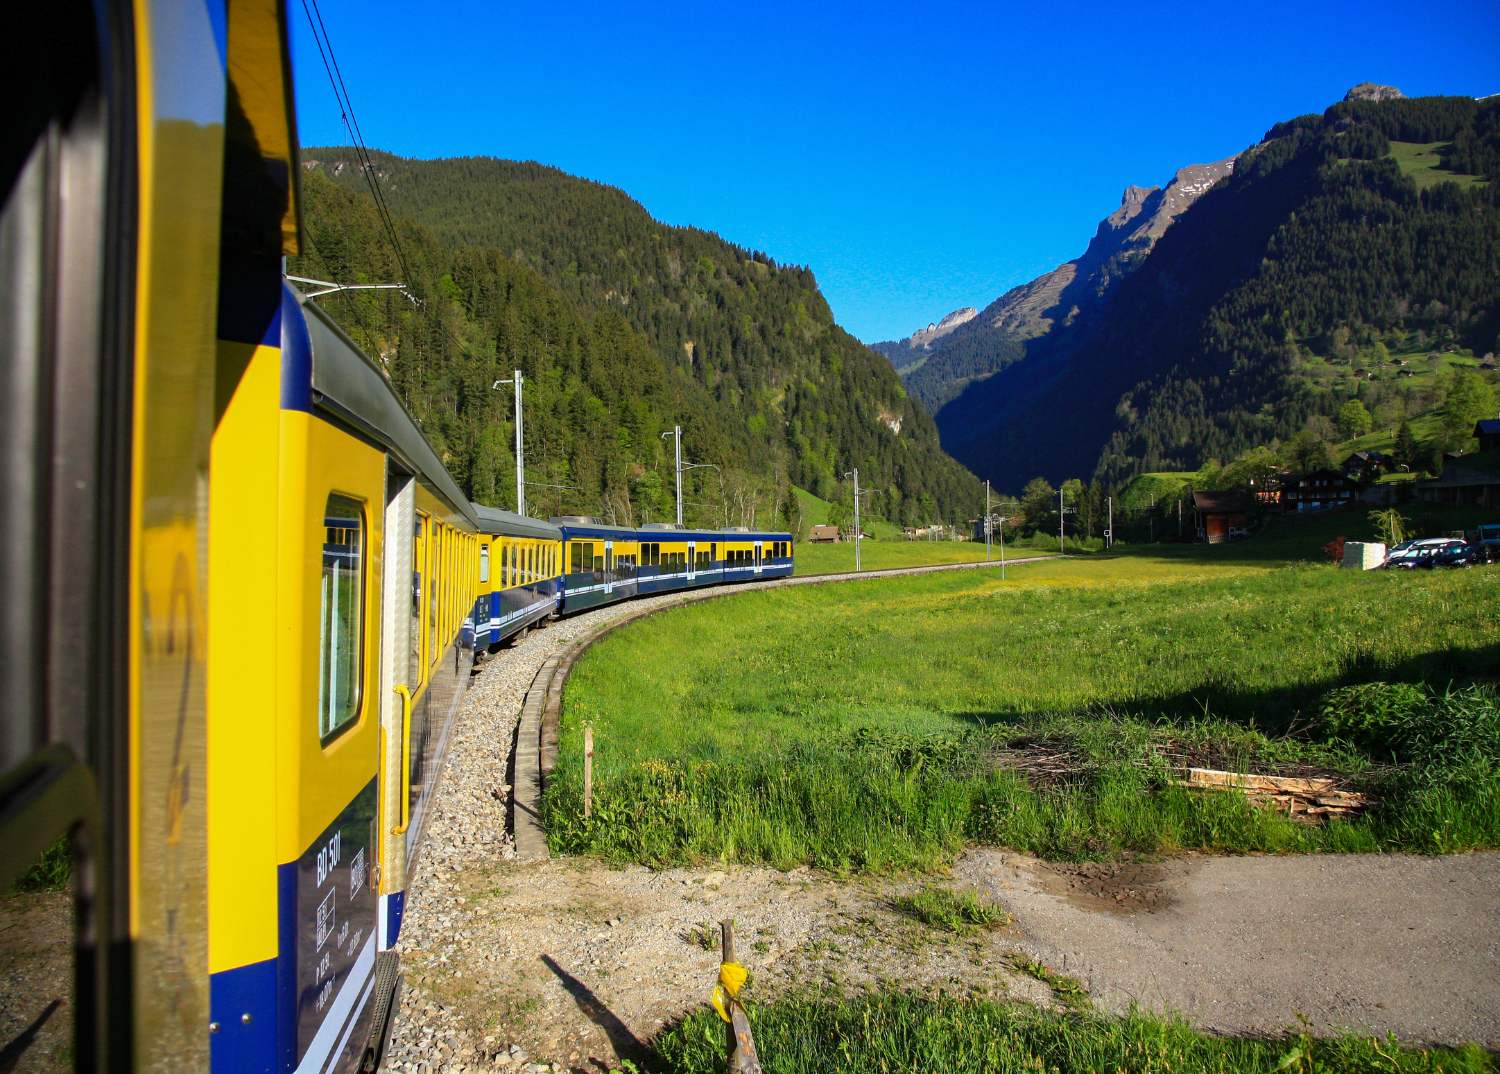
point(692, 561)
point(401, 585)
point(609, 566)
point(757, 557)
point(328, 751)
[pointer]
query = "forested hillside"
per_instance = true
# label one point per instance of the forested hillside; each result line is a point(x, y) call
point(623, 327)
point(1310, 276)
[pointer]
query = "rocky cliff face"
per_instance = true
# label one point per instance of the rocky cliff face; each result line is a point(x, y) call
point(926, 337)
point(980, 345)
point(1370, 91)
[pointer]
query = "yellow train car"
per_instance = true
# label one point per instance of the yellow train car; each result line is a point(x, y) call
point(239, 619)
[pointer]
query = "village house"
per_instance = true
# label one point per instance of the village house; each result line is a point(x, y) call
point(1363, 467)
point(1469, 479)
point(823, 535)
point(1317, 490)
point(1221, 516)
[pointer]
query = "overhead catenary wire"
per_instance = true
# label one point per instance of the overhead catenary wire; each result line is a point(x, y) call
point(351, 126)
point(365, 162)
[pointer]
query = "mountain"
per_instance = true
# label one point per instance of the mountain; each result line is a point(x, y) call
point(985, 344)
point(909, 353)
point(1254, 299)
point(622, 327)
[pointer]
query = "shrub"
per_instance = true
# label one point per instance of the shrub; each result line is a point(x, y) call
point(1371, 715)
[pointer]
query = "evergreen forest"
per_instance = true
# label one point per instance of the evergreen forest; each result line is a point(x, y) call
point(1321, 272)
point(622, 328)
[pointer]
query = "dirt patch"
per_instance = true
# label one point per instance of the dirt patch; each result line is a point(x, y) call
point(582, 964)
point(1114, 887)
point(36, 981)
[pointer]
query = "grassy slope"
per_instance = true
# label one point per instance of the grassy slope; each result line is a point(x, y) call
point(1419, 161)
point(800, 746)
point(1163, 485)
point(815, 513)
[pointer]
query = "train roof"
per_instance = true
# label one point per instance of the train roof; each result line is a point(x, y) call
point(657, 531)
point(346, 383)
point(510, 524)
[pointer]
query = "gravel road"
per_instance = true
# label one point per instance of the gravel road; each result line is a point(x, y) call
point(1373, 943)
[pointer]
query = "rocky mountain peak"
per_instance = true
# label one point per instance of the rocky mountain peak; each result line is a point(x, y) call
point(1371, 91)
point(925, 337)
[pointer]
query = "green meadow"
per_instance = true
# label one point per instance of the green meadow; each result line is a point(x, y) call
point(884, 724)
point(897, 1032)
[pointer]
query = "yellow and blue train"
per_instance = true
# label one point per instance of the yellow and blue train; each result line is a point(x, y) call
point(241, 594)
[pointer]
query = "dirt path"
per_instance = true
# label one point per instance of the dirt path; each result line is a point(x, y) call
point(1370, 943)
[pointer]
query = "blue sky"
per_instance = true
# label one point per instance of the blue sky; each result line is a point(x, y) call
point(919, 157)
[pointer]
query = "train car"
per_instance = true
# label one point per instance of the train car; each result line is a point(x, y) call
point(342, 568)
point(230, 514)
point(749, 556)
point(672, 558)
point(599, 563)
point(520, 572)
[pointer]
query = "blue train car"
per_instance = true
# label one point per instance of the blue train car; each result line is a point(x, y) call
point(520, 575)
point(672, 559)
point(599, 563)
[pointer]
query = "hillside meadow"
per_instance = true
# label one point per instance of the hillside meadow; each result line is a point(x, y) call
point(885, 723)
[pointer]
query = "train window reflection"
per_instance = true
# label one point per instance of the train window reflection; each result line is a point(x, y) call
point(341, 614)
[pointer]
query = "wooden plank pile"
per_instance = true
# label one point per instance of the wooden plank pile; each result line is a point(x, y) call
point(1311, 799)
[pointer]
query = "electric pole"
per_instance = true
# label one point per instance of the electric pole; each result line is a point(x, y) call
point(520, 457)
point(1109, 532)
point(855, 474)
point(1059, 521)
point(676, 435)
point(986, 521)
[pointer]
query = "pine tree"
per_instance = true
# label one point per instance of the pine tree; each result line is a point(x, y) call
point(1406, 447)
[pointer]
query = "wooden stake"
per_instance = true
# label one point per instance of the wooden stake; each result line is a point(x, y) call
point(743, 1058)
point(588, 770)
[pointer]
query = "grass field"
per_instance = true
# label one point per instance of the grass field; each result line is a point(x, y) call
point(899, 1032)
point(1420, 162)
point(887, 555)
point(885, 723)
point(815, 513)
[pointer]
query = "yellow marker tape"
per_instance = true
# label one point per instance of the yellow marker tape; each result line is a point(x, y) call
point(732, 977)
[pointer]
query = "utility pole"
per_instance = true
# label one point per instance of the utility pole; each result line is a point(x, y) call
point(987, 523)
point(1059, 521)
point(855, 474)
point(676, 435)
point(520, 456)
point(1109, 532)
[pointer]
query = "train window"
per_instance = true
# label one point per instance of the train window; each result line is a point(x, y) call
point(434, 587)
point(414, 667)
point(484, 563)
point(575, 557)
point(341, 614)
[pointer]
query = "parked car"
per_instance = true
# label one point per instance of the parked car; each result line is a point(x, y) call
point(1409, 554)
point(1456, 554)
point(1487, 541)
